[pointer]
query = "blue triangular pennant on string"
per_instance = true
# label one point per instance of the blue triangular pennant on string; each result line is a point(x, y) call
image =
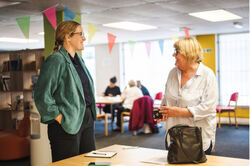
point(68, 15)
point(161, 44)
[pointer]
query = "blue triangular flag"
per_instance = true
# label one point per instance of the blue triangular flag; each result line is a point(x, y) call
point(161, 44)
point(68, 15)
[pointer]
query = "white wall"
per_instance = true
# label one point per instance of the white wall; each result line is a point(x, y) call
point(107, 66)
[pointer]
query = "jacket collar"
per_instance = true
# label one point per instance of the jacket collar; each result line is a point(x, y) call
point(65, 52)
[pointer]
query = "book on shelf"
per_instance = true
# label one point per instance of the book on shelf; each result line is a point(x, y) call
point(13, 65)
point(34, 79)
point(2, 87)
point(5, 66)
point(5, 82)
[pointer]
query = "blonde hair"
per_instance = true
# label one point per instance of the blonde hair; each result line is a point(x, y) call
point(64, 28)
point(190, 48)
point(131, 83)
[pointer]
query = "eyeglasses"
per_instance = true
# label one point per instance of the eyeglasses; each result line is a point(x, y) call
point(176, 51)
point(80, 33)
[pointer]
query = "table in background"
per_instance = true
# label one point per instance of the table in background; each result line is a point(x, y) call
point(111, 101)
point(133, 156)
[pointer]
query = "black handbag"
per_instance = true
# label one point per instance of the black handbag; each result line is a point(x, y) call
point(185, 145)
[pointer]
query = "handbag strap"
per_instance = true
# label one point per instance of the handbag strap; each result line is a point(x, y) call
point(166, 139)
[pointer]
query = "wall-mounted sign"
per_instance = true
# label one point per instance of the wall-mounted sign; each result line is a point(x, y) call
point(207, 50)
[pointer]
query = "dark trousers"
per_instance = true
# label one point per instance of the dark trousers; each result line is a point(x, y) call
point(209, 150)
point(64, 145)
point(107, 108)
point(119, 112)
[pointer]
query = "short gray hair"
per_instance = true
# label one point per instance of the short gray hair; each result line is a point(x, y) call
point(131, 83)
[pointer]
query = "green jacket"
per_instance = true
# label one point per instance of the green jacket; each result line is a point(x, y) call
point(59, 90)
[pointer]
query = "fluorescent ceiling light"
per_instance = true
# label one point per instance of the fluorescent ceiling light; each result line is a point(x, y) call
point(6, 3)
point(129, 26)
point(216, 15)
point(41, 33)
point(17, 40)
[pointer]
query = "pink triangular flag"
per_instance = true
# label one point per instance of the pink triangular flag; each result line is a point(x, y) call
point(187, 32)
point(50, 13)
point(111, 41)
point(148, 47)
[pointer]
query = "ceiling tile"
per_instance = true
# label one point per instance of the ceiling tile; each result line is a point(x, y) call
point(186, 6)
point(223, 4)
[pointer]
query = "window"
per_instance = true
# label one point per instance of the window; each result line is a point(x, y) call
point(88, 56)
point(152, 70)
point(233, 67)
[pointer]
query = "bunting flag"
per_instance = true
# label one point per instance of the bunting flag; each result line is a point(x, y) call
point(148, 47)
point(161, 44)
point(111, 41)
point(91, 31)
point(187, 32)
point(78, 18)
point(24, 24)
point(131, 46)
point(68, 14)
point(50, 13)
point(175, 38)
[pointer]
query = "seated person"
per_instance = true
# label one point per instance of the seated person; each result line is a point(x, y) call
point(129, 95)
point(144, 90)
point(112, 90)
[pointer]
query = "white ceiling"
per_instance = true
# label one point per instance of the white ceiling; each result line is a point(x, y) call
point(168, 15)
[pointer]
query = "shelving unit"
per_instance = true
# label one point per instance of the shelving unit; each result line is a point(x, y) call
point(21, 66)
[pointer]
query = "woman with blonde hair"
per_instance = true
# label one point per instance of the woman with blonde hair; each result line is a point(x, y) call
point(64, 95)
point(191, 92)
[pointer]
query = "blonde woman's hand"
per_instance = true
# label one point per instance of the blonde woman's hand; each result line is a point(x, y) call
point(164, 114)
point(175, 111)
point(164, 111)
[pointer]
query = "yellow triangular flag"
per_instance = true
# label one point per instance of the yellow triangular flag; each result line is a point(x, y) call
point(175, 38)
point(91, 31)
point(77, 18)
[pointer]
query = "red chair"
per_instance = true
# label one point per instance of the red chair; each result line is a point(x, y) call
point(157, 99)
point(15, 144)
point(140, 114)
point(158, 96)
point(229, 108)
point(100, 106)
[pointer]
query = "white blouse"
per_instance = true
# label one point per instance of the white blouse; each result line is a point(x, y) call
point(199, 95)
point(130, 95)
